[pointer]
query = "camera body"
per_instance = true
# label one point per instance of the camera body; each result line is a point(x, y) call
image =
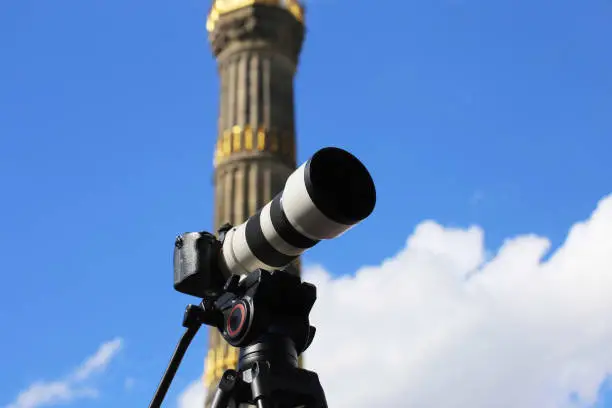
point(196, 264)
point(251, 305)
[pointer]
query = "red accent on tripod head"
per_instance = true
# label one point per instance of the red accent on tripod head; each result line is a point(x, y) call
point(236, 319)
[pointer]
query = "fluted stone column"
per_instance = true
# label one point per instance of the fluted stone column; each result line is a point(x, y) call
point(257, 45)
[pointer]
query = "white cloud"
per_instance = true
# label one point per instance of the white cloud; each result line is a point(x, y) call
point(517, 333)
point(193, 396)
point(99, 360)
point(444, 323)
point(47, 393)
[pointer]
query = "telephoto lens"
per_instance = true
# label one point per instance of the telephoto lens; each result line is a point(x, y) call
point(323, 198)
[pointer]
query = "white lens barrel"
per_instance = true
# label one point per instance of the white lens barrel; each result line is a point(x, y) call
point(303, 213)
point(322, 199)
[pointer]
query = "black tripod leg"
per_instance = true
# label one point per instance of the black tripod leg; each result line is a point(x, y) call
point(179, 352)
point(259, 386)
point(225, 389)
point(263, 403)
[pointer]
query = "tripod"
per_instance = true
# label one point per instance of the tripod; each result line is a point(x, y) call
point(266, 315)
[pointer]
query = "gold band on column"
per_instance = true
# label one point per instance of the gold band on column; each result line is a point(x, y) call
point(219, 359)
point(246, 139)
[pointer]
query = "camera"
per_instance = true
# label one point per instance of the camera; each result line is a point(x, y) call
point(247, 297)
point(322, 199)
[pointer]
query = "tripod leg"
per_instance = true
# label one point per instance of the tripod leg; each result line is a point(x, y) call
point(263, 403)
point(259, 384)
point(225, 389)
point(175, 361)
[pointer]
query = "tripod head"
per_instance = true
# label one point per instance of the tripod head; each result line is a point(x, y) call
point(266, 315)
point(261, 305)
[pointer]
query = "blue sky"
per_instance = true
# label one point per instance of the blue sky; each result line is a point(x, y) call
point(483, 112)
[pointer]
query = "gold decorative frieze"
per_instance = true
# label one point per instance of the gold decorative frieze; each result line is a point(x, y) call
point(209, 368)
point(240, 139)
point(296, 9)
point(236, 139)
point(231, 360)
point(248, 138)
point(261, 139)
point(218, 360)
point(221, 7)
